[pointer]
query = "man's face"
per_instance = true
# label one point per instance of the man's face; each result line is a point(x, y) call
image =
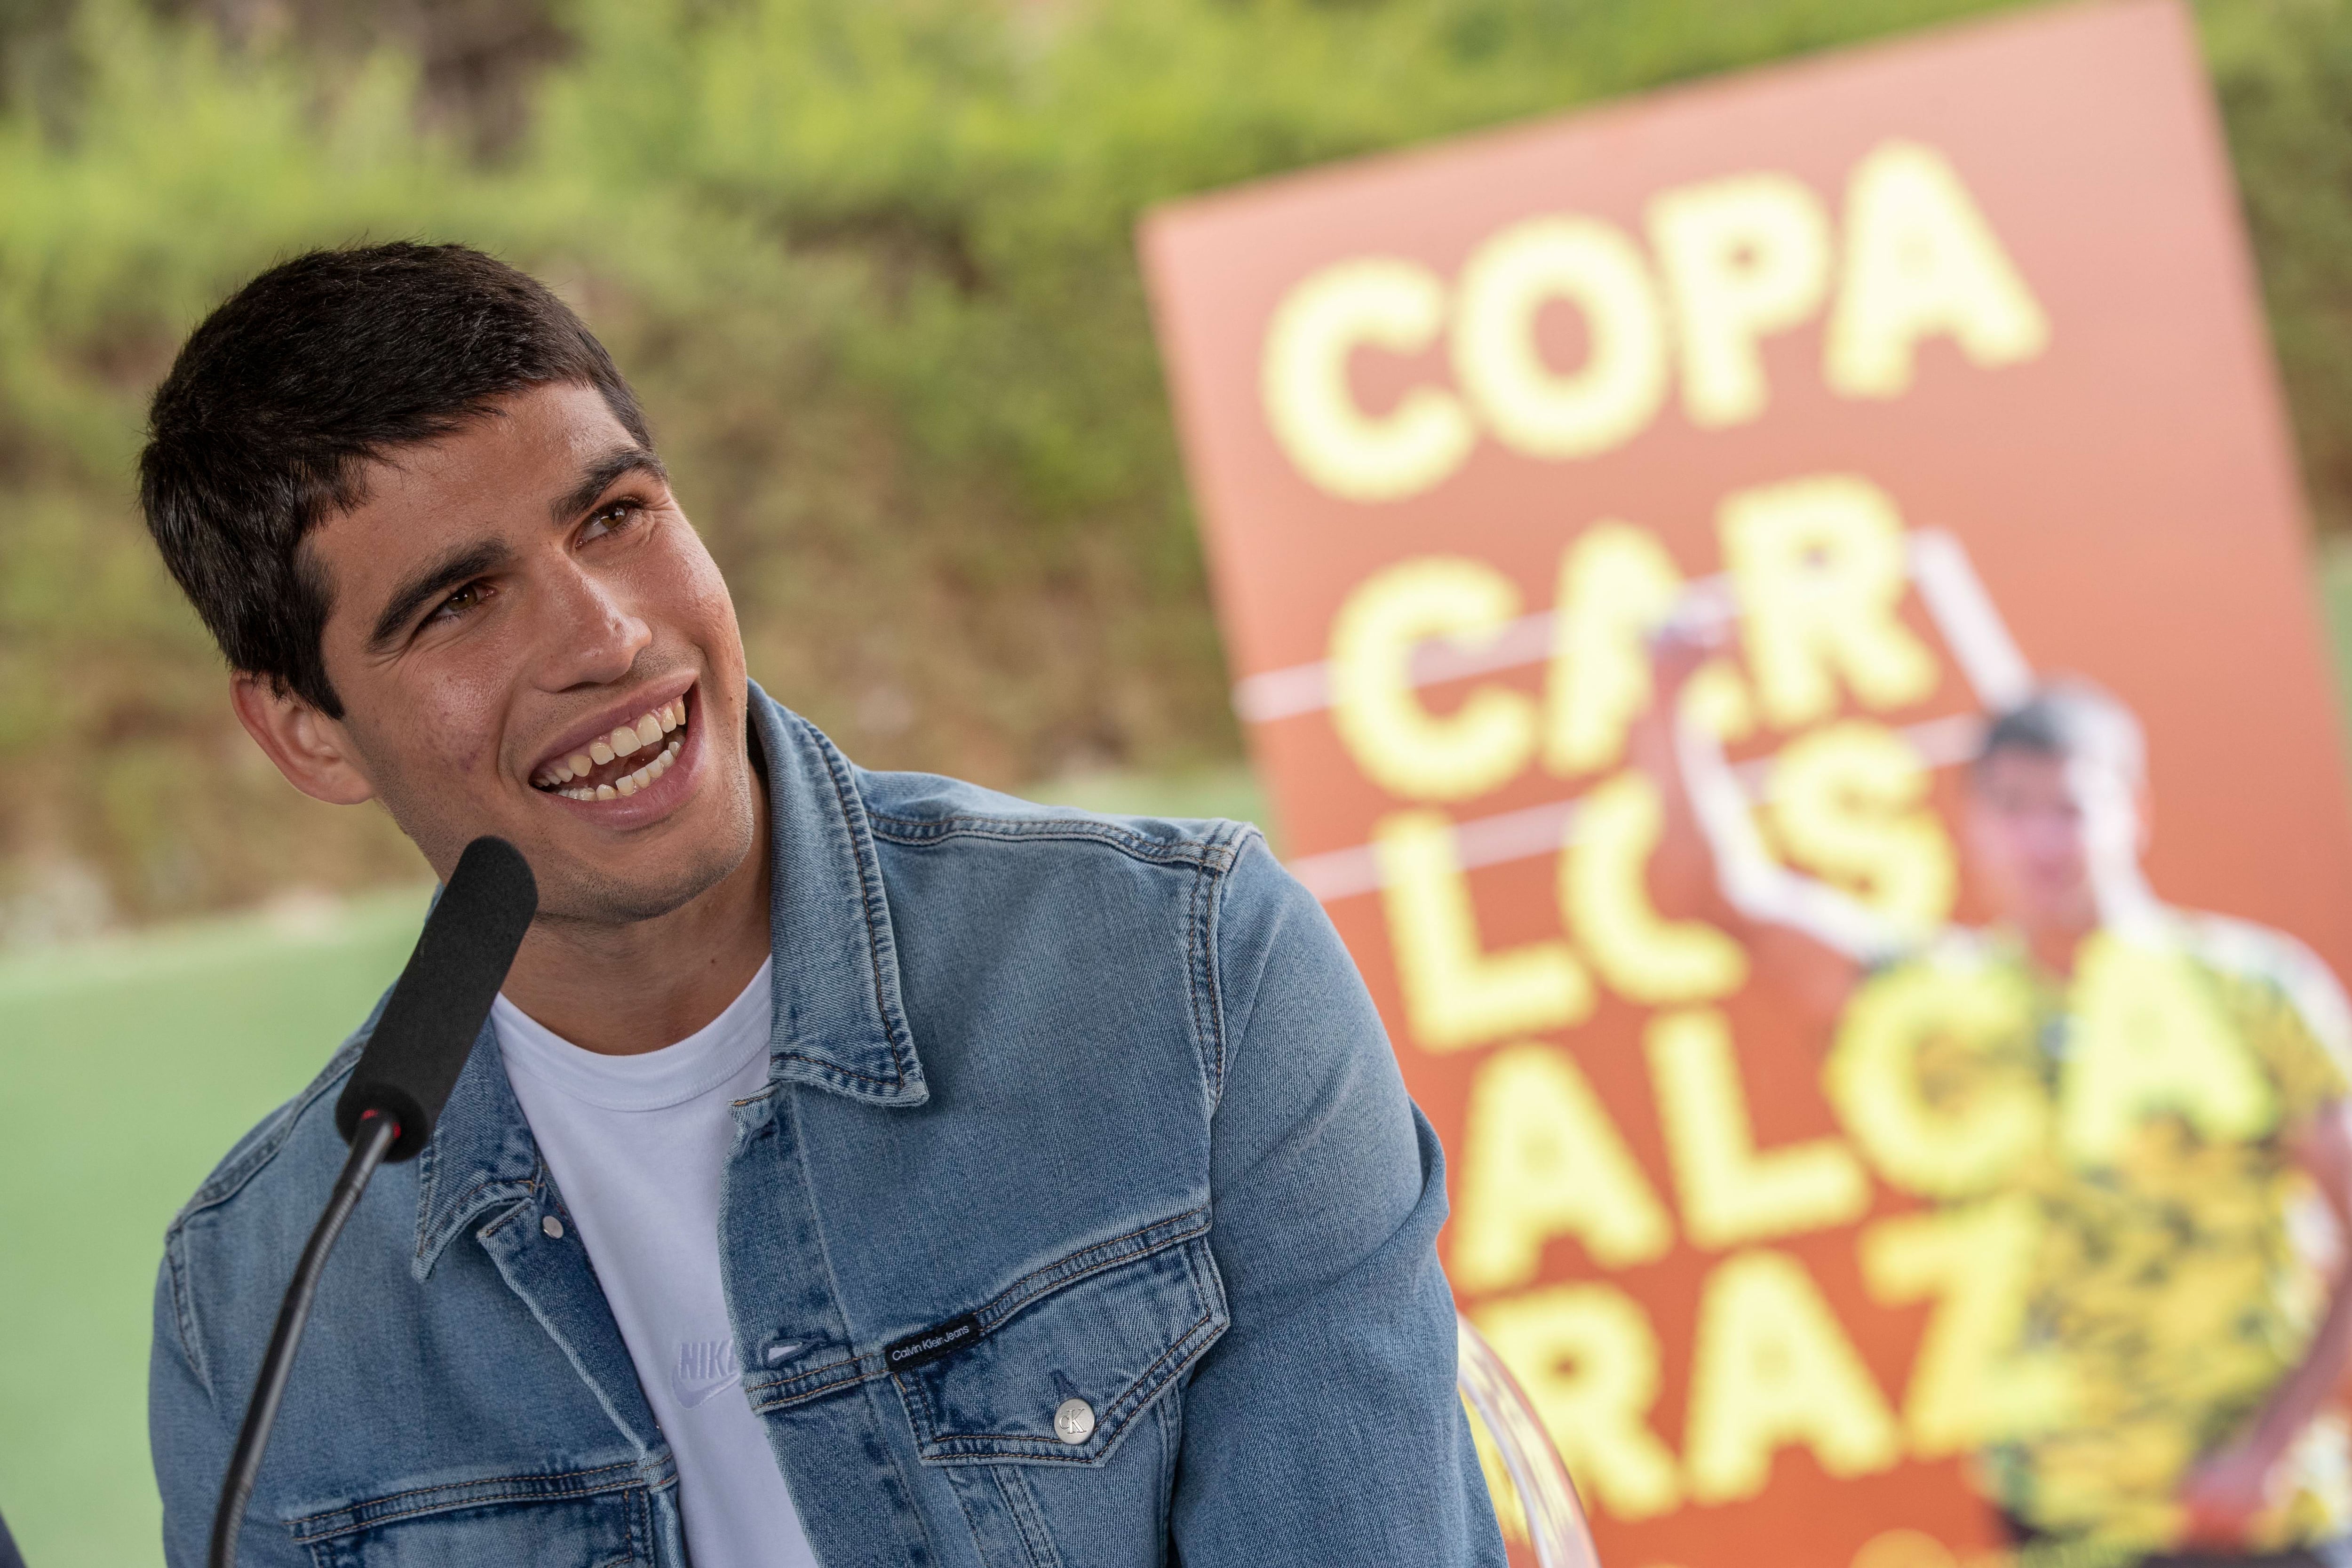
point(2029, 840)
point(530, 640)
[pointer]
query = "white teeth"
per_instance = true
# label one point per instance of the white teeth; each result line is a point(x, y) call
point(627, 739)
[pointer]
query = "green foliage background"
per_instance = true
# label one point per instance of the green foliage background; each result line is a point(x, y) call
point(870, 263)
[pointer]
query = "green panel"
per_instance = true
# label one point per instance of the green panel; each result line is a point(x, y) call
point(1208, 792)
point(130, 1067)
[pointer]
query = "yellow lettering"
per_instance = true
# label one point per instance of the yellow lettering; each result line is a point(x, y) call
point(1772, 1367)
point(1589, 1361)
point(1731, 1192)
point(1457, 994)
point(1377, 302)
point(1527, 403)
point(1605, 899)
point(1918, 1079)
point(1540, 1158)
point(1743, 257)
point(1616, 583)
point(2149, 1040)
point(1400, 744)
point(1820, 568)
point(1921, 260)
point(1850, 802)
point(1716, 699)
point(1916, 1549)
point(1971, 1381)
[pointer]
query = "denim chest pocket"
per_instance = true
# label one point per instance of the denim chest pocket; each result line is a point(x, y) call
point(1065, 1360)
point(578, 1519)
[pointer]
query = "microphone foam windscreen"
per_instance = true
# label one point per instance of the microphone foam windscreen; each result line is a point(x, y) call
point(420, 1045)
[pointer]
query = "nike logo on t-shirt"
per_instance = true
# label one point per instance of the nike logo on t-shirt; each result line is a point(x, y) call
point(702, 1369)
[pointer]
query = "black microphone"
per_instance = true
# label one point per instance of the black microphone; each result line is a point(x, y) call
point(421, 1043)
point(395, 1093)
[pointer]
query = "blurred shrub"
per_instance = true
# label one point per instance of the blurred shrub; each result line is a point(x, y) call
point(869, 262)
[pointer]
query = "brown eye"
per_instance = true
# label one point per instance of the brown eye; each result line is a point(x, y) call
point(463, 602)
point(612, 520)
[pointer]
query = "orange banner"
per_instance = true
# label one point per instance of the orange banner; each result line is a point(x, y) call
point(1899, 384)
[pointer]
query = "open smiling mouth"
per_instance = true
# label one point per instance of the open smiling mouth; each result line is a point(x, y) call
point(622, 763)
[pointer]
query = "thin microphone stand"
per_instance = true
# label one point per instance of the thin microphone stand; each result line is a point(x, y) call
point(377, 1133)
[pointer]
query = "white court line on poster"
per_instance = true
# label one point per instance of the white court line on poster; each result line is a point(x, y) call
point(1964, 614)
point(1939, 563)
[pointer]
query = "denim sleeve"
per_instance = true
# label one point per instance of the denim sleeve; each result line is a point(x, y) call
point(1324, 1426)
point(184, 1434)
point(189, 1437)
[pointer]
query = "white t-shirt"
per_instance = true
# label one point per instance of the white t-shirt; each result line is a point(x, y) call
point(639, 1145)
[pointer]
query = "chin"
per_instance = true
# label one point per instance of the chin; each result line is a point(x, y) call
point(675, 875)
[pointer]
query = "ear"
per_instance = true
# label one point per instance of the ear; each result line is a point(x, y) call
point(311, 750)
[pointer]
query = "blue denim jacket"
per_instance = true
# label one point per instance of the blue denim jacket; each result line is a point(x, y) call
point(1110, 1092)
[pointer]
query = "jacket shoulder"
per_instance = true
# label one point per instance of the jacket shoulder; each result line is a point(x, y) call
point(254, 1152)
point(916, 809)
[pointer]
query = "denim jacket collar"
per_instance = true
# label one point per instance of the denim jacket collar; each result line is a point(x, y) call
point(839, 1025)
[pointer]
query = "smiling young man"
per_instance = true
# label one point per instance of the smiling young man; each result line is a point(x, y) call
point(858, 1168)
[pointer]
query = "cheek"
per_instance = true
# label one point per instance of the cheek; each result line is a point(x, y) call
point(448, 727)
point(704, 609)
point(1990, 848)
point(2058, 843)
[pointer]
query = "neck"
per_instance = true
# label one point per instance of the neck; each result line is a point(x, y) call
point(2053, 946)
point(2057, 941)
point(625, 990)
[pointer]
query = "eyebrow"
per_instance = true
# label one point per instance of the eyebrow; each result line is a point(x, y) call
point(598, 476)
point(473, 560)
point(430, 581)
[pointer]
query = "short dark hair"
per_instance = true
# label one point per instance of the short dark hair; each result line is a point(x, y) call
point(2068, 719)
point(315, 368)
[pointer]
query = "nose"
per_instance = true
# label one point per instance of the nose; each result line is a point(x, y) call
point(591, 635)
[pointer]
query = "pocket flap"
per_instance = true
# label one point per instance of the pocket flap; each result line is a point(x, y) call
point(563, 1519)
point(1092, 1339)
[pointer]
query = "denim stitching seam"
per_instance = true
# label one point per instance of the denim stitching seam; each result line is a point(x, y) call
point(1116, 1415)
point(868, 894)
point(914, 831)
point(183, 1311)
point(363, 1515)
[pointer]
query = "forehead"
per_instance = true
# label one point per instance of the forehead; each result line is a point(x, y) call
point(493, 480)
point(2019, 768)
point(519, 454)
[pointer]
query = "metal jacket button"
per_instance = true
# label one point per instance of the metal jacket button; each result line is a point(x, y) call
point(552, 1228)
point(1074, 1421)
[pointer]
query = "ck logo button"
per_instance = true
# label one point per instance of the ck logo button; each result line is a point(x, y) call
point(1074, 1421)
